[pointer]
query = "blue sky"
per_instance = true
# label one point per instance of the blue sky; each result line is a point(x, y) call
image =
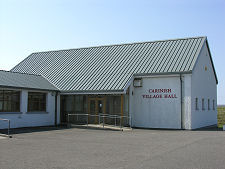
point(28, 26)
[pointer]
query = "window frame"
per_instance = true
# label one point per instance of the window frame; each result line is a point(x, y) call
point(196, 104)
point(213, 104)
point(209, 104)
point(36, 101)
point(203, 104)
point(10, 100)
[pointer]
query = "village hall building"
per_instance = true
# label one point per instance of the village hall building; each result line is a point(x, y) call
point(159, 84)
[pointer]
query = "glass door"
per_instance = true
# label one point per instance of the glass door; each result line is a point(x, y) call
point(96, 106)
point(92, 111)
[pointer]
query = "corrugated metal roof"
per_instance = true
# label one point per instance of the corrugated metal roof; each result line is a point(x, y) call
point(22, 80)
point(109, 68)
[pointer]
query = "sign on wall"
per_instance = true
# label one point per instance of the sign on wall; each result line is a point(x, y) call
point(157, 103)
point(160, 94)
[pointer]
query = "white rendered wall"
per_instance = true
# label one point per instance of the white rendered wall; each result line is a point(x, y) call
point(186, 102)
point(203, 86)
point(58, 108)
point(28, 119)
point(156, 112)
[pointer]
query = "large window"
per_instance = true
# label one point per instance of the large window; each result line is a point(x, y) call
point(9, 101)
point(113, 105)
point(79, 103)
point(36, 101)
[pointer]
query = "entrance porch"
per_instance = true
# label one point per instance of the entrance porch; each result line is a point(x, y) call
point(95, 109)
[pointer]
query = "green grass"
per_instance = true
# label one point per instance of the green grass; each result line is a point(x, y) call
point(220, 116)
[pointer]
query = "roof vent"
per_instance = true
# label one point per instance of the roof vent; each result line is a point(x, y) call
point(138, 82)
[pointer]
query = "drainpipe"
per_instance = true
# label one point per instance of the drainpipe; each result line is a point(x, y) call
point(56, 94)
point(181, 99)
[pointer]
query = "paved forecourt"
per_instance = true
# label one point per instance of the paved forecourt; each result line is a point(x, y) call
point(100, 149)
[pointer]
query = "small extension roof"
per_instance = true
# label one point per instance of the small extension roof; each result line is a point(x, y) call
point(24, 81)
point(110, 68)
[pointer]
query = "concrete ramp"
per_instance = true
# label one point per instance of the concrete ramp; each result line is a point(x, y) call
point(101, 127)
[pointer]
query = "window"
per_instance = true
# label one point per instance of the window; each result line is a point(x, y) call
point(196, 103)
point(79, 104)
point(9, 101)
point(213, 104)
point(203, 104)
point(36, 101)
point(208, 104)
point(113, 105)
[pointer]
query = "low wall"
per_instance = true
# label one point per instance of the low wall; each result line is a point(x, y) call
point(221, 116)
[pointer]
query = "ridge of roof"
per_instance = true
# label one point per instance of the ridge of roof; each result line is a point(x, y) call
point(121, 44)
point(20, 73)
point(162, 56)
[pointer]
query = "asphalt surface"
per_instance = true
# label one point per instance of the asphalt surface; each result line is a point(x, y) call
point(100, 149)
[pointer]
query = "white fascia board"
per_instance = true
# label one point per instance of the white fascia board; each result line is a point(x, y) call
point(155, 76)
point(28, 89)
point(175, 74)
point(93, 93)
point(152, 75)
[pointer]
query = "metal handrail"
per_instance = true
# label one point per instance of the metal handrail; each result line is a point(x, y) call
point(103, 116)
point(8, 125)
point(115, 116)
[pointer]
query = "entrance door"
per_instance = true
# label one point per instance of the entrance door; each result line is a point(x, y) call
point(96, 106)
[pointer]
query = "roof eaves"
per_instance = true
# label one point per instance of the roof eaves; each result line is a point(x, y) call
point(210, 56)
point(214, 70)
point(29, 88)
point(152, 74)
point(91, 92)
point(162, 73)
point(20, 73)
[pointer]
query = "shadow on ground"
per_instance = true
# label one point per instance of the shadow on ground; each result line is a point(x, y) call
point(64, 127)
point(209, 128)
point(32, 129)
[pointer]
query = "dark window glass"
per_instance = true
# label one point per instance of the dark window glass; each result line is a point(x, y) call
point(203, 104)
point(79, 107)
point(113, 105)
point(208, 104)
point(9, 101)
point(196, 103)
point(36, 101)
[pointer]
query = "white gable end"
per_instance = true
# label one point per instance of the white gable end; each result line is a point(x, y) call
point(204, 91)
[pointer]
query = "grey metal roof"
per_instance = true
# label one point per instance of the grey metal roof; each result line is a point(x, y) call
point(22, 80)
point(109, 68)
